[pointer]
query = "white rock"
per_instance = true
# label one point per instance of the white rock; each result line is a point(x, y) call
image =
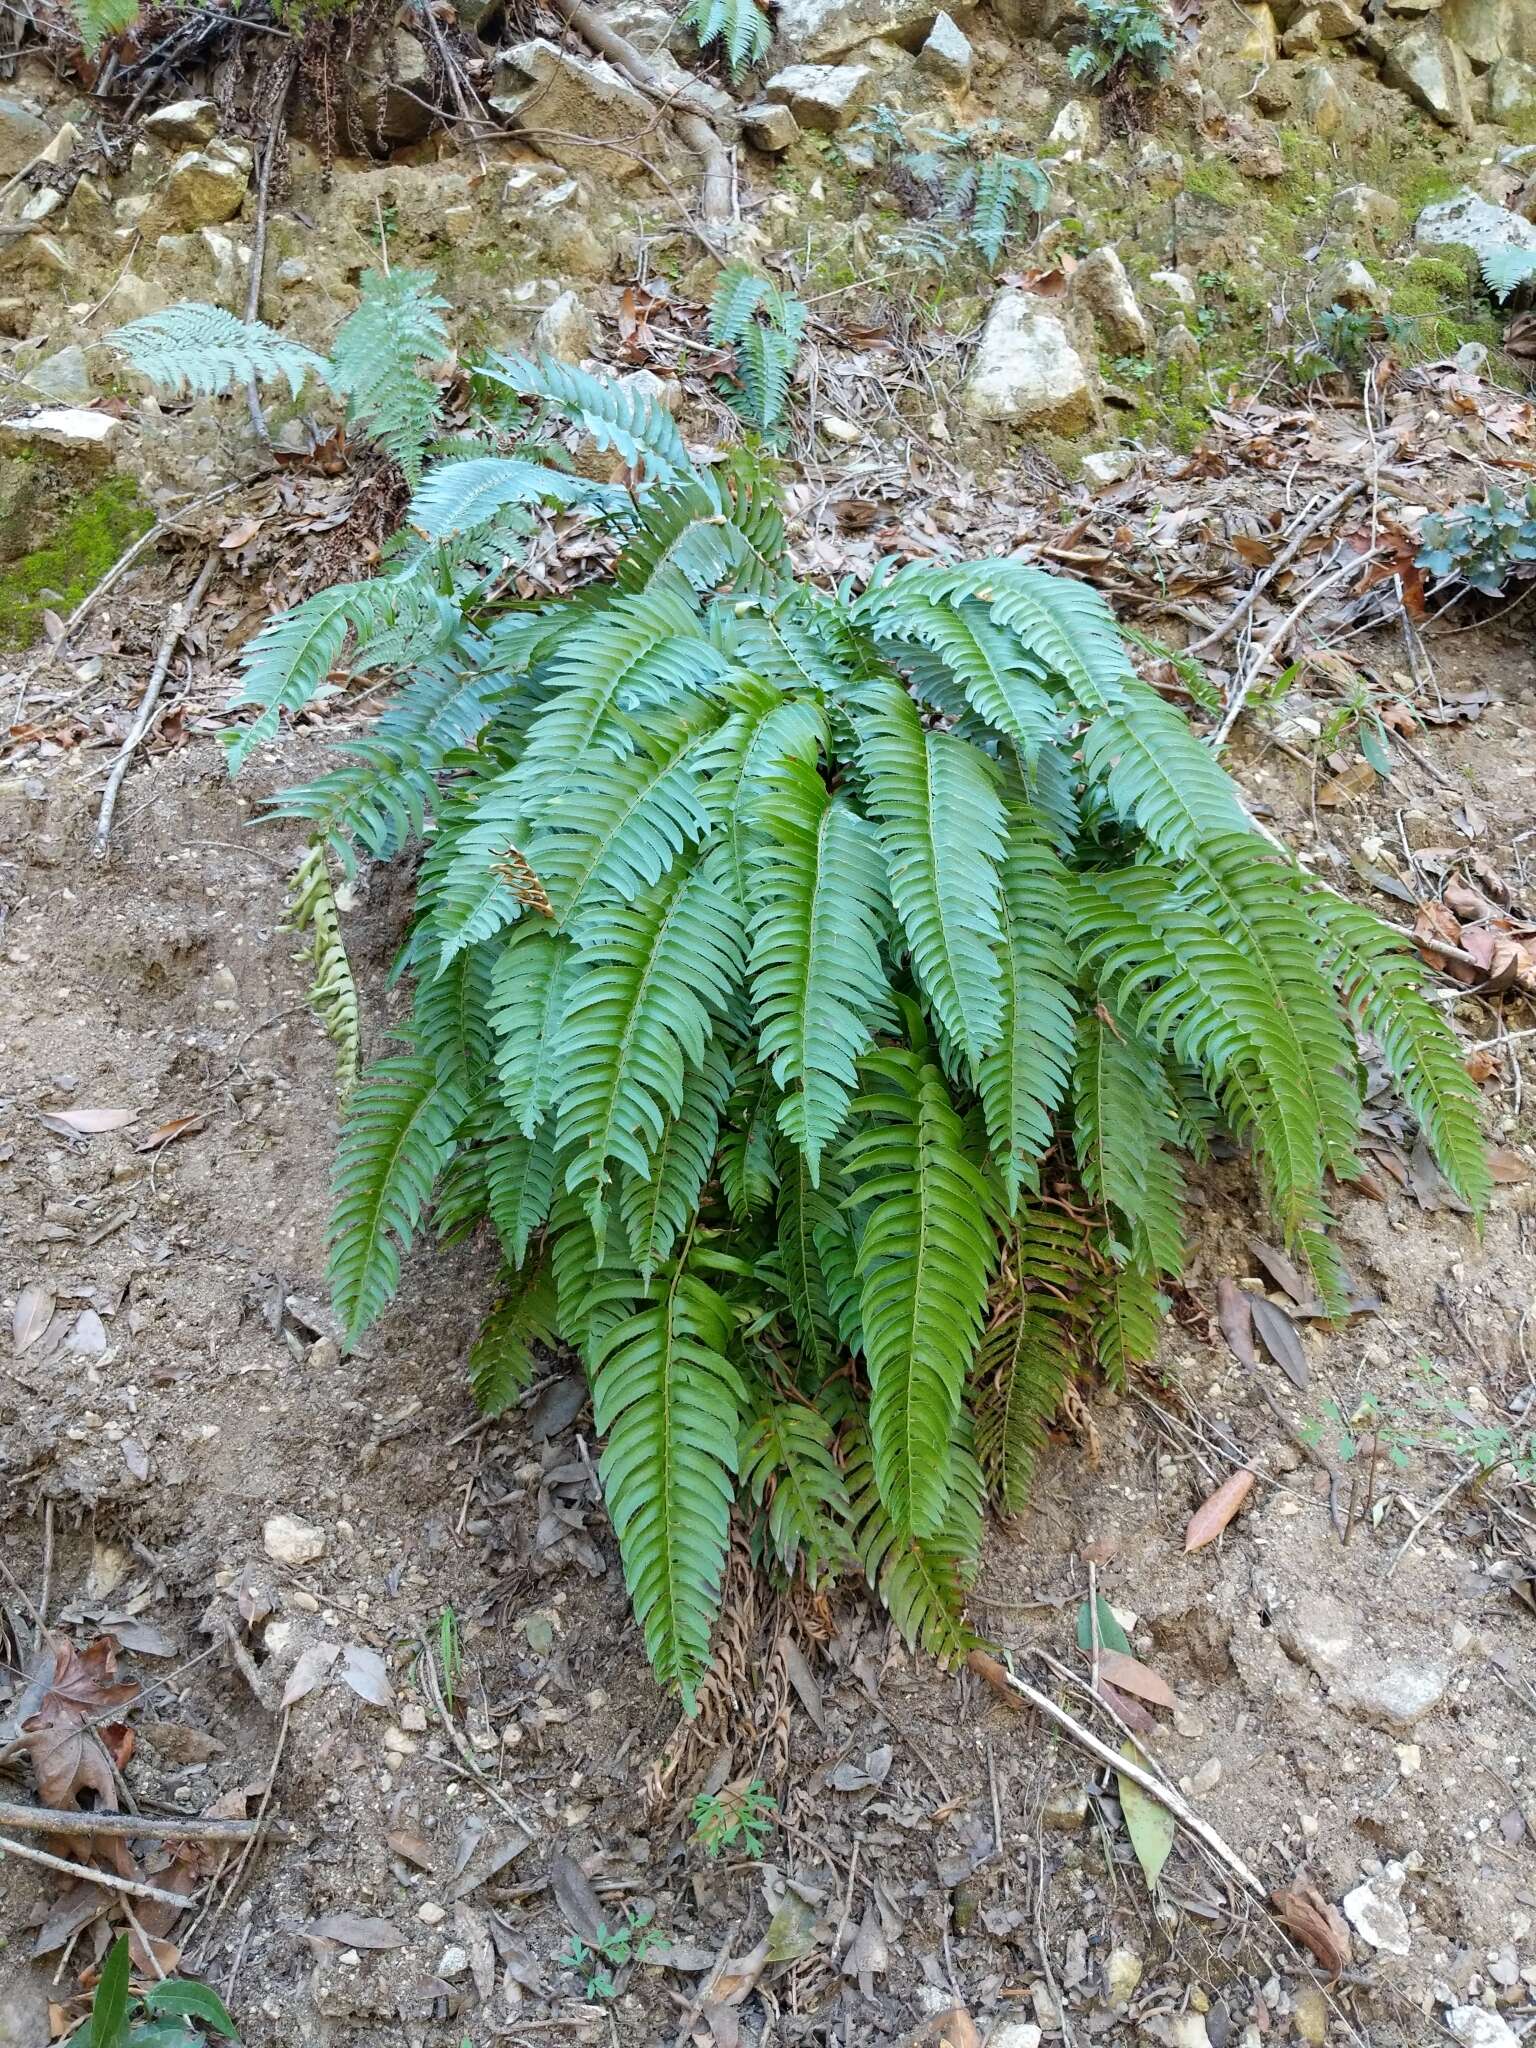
point(1026, 370)
point(769, 127)
point(431, 1914)
point(1473, 223)
point(1075, 131)
point(287, 1540)
point(62, 378)
point(817, 29)
point(577, 96)
point(1373, 1911)
point(824, 97)
point(453, 1962)
point(1352, 286)
point(1108, 466)
point(947, 52)
point(1480, 2028)
point(204, 188)
point(186, 123)
point(1177, 2030)
point(1207, 1778)
point(1176, 285)
point(836, 428)
point(1015, 2034)
point(564, 330)
point(1433, 73)
point(1122, 1974)
point(1100, 283)
point(66, 427)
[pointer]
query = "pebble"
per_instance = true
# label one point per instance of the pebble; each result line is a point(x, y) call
point(1207, 1778)
point(287, 1540)
point(1014, 2034)
point(1122, 1974)
point(453, 1962)
point(1373, 1911)
point(1480, 2028)
point(1066, 1809)
point(430, 1914)
point(1309, 2014)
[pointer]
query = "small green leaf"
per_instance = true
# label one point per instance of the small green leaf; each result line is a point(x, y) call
point(163, 2034)
point(184, 1997)
point(1147, 1821)
point(107, 2026)
point(1373, 744)
point(1111, 1635)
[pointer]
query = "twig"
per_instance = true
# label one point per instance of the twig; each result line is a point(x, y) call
point(84, 1873)
point(175, 626)
point(1308, 1450)
point(259, 241)
point(995, 1674)
point(435, 1699)
point(48, 1820)
point(42, 1598)
point(1430, 1512)
point(1256, 663)
point(1304, 531)
point(250, 1848)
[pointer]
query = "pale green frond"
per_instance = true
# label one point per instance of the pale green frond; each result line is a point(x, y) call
point(921, 1581)
point(789, 1471)
point(203, 349)
point(376, 359)
point(332, 992)
point(641, 432)
point(656, 1210)
point(457, 497)
point(1123, 1128)
point(530, 982)
point(501, 1359)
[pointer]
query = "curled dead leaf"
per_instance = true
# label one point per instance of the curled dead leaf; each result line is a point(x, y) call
point(1129, 1675)
point(87, 1123)
point(1213, 1515)
point(73, 1750)
point(1234, 1312)
point(1317, 1924)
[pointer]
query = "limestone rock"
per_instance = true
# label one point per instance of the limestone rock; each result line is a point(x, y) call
point(184, 124)
point(1337, 19)
point(1304, 37)
point(1372, 1909)
point(1015, 2034)
point(579, 96)
point(815, 30)
point(1414, 6)
point(1075, 131)
point(1472, 223)
point(1366, 210)
point(1352, 286)
point(1027, 371)
point(289, 1541)
point(1261, 44)
point(1176, 285)
point(62, 378)
point(1512, 91)
point(23, 133)
point(1108, 466)
point(1386, 1688)
point(1432, 73)
point(1177, 2030)
point(42, 253)
point(1481, 2028)
point(947, 52)
point(1483, 28)
point(204, 189)
point(89, 211)
point(1100, 284)
point(564, 330)
point(825, 97)
point(61, 146)
point(1122, 1974)
point(1323, 101)
point(769, 127)
point(205, 265)
point(71, 427)
point(392, 93)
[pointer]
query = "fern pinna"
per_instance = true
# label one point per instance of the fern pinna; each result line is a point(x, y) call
point(816, 995)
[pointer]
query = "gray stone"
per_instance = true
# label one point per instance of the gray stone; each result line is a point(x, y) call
point(1376, 1685)
point(1372, 1909)
point(184, 124)
point(1176, 285)
point(1075, 131)
point(1323, 101)
point(825, 97)
point(1337, 19)
point(392, 92)
point(204, 189)
point(769, 127)
point(814, 30)
point(205, 265)
point(1432, 72)
point(71, 427)
point(1304, 37)
point(289, 1541)
point(1413, 6)
point(1015, 2034)
point(1363, 208)
point(1026, 370)
point(1122, 1973)
point(1471, 222)
point(1100, 284)
point(1479, 2027)
point(42, 253)
point(1512, 91)
point(1108, 466)
point(947, 52)
point(1351, 285)
point(578, 96)
point(89, 211)
point(565, 330)
point(23, 134)
point(62, 378)
point(1066, 1809)
point(1483, 28)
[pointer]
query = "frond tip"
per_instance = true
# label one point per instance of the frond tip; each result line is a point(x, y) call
point(205, 351)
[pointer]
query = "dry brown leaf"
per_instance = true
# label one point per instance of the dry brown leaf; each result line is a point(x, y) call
point(1213, 1515)
point(1130, 1675)
point(69, 1754)
point(1507, 1167)
point(168, 1133)
point(1481, 1065)
point(1127, 1708)
point(1317, 1924)
point(1234, 1312)
point(87, 1123)
point(1279, 1337)
point(31, 1316)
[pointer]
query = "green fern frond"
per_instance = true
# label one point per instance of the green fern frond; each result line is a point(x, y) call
point(458, 497)
point(670, 1403)
point(941, 825)
point(530, 982)
point(1126, 1310)
point(747, 1172)
point(740, 26)
point(597, 1287)
point(789, 1472)
point(375, 362)
point(739, 291)
point(1381, 985)
point(398, 1136)
point(501, 1360)
point(1003, 184)
point(202, 349)
point(520, 1185)
point(818, 984)
point(803, 1215)
point(657, 1209)
point(921, 1581)
point(1506, 266)
point(1002, 684)
point(1123, 1129)
point(100, 20)
point(923, 1266)
point(451, 1019)
point(763, 324)
point(640, 432)
point(651, 976)
point(1030, 1350)
point(333, 992)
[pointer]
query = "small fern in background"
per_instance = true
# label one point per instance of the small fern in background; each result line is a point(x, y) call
point(962, 189)
point(1506, 266)
point(333, 992)
point(740, 27)
point(100, 20)
point(206, 351)
point(815, 995)
point(764, 325)
point(1121, 38)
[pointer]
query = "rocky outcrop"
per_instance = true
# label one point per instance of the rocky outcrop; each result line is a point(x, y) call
point(815, 30)
point(1027, 371)
point(824, 97)
point(947, 53)
point(23, 133)
point(68, 427)
point(557, 99)
point(1100, 285)
point(207, 187)
point(1433, 72)
point(1472, 222)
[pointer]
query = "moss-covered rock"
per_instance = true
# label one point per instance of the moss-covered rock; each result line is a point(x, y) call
point(81, 540)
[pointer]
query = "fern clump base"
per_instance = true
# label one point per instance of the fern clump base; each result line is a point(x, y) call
point(819, 997)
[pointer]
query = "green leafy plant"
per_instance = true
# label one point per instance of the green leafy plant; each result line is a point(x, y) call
point(742, 1812)
point(740, 27)
point(610, 1949)
point(169, 2015)
point(1337, 344)
point(1506, 266)
point(450, 1654)
point(100, 20)
point(764, 325)
point(962, 188)
point(1487, 543)
point(1426, 1416)
point(816, 992)
point(1121, 38)
point(374, 364)
point(333, 992)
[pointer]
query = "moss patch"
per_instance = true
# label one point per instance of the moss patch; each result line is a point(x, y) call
point(86, 540)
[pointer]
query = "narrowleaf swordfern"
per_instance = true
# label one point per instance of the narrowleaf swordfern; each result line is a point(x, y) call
point(819, 993)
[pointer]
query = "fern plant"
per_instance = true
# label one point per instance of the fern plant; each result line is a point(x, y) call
point(740, 27)
point(1486, 543)
point(1122, 37)
point(764, 325)
point(959, 186)
point(100, 20)
point(817, 996)
point(333, 992)
point(1506, 266)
